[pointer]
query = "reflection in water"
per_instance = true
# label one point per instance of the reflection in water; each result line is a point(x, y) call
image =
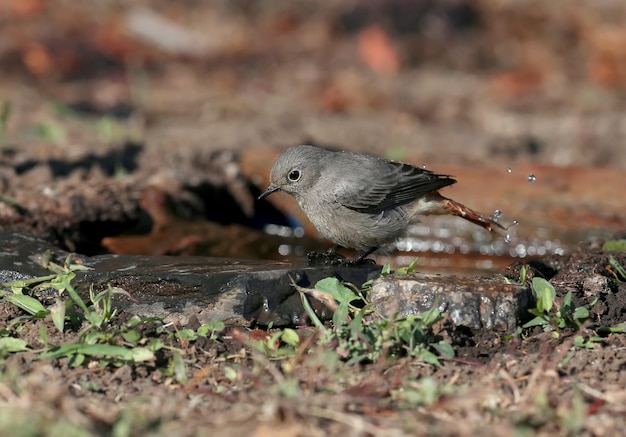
point(448, 245)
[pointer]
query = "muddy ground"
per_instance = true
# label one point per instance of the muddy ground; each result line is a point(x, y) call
point(162, 120)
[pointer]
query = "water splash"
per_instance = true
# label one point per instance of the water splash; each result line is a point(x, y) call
point(508, 237)
point(284, 231)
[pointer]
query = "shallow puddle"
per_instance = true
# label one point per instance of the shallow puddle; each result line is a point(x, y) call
point(548, 211)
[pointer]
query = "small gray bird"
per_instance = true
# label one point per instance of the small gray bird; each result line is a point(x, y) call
point(362, 202)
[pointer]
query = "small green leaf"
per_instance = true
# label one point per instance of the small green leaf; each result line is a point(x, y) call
point(431, 316)
point(618, 329)
point(131, 337)
point(408, 269)
point(523, 274)
point(155, 344)
point(16, 286)
point(94, 318)
point(77, 360)
point(614, 245)
point(340, 317)
point(57, 312)
point(187, 334)
point(139, 354)
point(544, 293)
point(211, 326)
point(444, 349)
point(386, 270)
point(134, 321)
point(73, 294)
point(579, 341)
point(568, 299)
point(581, 313)
point(429, 357)
point(52, 132)
point(290, 337)
point(272, 342)
point(82, 268)
point(11, 345)
point(103, 350)
point(535, 322)
point(230, 373)
point(310, 311)
point(180, 368)
point(99, 350)
point(27, 303)
point(43, 335)
point(93, 337)
point(336, 289)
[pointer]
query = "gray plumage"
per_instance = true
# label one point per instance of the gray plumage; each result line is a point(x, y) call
point(356, 200)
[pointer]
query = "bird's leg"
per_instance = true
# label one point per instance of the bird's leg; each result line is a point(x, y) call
point(360, 259)
point(332, 258)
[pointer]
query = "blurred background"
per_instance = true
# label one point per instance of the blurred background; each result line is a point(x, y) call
point(100, 100)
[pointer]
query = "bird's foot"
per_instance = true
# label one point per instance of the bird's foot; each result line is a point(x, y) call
point(327, 258)
point(332, 258)
point(358, 261)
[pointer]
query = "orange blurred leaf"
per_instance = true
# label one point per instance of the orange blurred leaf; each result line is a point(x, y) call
point(37, 59)
point(518, 83)
point(25, 8)
point(377, 51)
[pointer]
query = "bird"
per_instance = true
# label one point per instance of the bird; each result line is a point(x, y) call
point(363, 202)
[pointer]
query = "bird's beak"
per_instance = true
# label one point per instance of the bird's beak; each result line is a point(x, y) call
point(269, 191)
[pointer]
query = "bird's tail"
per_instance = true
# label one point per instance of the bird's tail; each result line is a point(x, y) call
point(455, 208)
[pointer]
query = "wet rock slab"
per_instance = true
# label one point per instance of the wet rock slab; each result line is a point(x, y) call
point(179, 288)
point(237, 292)
point(244, 292)
point(478, 303)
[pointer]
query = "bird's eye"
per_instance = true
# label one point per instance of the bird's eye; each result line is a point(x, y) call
point(294, 175)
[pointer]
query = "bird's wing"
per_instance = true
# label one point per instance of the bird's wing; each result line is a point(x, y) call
point(386, 184)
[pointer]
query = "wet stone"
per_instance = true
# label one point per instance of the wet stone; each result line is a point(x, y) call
point(477, 303)
point(176, 289)
point(244, 292)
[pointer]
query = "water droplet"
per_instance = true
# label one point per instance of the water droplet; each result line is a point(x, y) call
point(497, 214)
point(424, 166)
point(515, 223)
point(508, 238)
point(532, 178)
point(520, 249)
point(284, 249)
point(509, 169)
